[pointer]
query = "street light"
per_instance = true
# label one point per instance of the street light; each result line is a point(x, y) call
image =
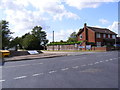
point(53, 40)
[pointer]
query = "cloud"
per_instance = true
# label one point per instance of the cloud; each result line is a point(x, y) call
point(103, 21)
point(61, 34)
point(114, 27)
point(80, 4)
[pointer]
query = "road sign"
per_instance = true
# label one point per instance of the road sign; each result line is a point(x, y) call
point(33, 52)
point(88, 46)
point(81, 46)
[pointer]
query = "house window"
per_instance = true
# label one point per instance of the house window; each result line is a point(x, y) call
point(98, 44)
point(113, 36)
point(104, 35)
point(80, 36)
point(108, 35)
point(98, 35)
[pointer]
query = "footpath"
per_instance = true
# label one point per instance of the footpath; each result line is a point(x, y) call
point(45, 54)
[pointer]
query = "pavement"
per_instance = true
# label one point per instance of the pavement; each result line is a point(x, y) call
point(45, 54)
point(95, 70)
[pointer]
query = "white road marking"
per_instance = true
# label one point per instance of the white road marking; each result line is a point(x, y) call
point(2, 80)
point(64, 69)
point(101, 61)
point(96, 62)
point(90, 64)
point(111, 59)
point(20, 77)
point(52, 71)
point(37, 74)
point(21, 65)
point(106, 60)
point(83, 65)
point(115, 58)
point(76, 67)
point(37, 63)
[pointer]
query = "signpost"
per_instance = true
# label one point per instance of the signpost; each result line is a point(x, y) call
point(88, 47)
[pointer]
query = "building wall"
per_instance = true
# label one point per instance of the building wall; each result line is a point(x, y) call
point(91, 36)
point(83, 36)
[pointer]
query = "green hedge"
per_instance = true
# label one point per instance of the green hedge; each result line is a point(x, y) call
point(64, 43)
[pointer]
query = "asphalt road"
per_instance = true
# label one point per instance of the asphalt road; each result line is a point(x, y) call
point(95, 70)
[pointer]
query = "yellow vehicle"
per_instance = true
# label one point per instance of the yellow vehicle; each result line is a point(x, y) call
point(4, 53)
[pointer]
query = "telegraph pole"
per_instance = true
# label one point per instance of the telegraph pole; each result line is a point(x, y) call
point(53, 40)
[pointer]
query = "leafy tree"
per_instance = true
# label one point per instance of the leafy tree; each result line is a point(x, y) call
point(30, 42)
point(73, 37)
point(41, 35)
point(16, 41)
point(36, 40)
point(4, 28)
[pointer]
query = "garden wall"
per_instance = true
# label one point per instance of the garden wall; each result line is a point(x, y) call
point(73, 47)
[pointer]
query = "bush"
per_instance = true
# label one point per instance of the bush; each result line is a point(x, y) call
point(64, 43)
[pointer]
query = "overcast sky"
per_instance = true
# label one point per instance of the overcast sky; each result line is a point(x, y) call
point(62, 16)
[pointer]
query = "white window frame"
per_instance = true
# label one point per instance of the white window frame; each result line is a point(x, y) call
point(81, 36)
point(113, 36)
point(98, 35)
point(98, 44)
point(108, 35)
point(104, 35)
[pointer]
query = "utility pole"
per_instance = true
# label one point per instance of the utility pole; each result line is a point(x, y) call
point(53, 40)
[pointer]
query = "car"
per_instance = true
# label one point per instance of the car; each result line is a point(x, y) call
point(4, 53)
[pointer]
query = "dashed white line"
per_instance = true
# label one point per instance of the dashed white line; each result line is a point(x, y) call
point(75, 67)
point(20, 77)
point(90, 64)
point(106, 60)
point(112, 59)
point(37, 74)
point(52, 71)
point(2, 80)
point(101, 61)
point(96, 62)
point(115, 58)
point(83, 65)
point(64, 69)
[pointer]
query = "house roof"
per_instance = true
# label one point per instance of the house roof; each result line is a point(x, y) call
point(98, 30)
point(101, 30)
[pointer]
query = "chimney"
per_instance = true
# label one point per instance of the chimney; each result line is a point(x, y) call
point(85, 24)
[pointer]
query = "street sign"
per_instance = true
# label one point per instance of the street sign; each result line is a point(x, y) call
point(33, 52)
point(81, 46)
point(88, 47)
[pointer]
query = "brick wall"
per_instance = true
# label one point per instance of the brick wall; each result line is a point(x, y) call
point(72, 47)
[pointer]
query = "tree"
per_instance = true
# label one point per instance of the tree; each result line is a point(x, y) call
point(41, 35)
point(73, 37)
point(30, 42)
point(36, 40)
point(15, 42)
point(4, 28)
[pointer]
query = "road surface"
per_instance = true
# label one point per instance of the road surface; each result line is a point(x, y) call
point(95, 70)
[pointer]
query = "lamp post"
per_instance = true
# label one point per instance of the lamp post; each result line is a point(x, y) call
point(53, 40)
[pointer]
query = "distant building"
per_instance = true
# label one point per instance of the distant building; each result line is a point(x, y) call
point(97, 36)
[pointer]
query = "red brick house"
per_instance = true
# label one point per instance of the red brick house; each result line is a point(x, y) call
point(98, 36)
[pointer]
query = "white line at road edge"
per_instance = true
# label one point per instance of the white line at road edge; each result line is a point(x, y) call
point(21, 65)
point(2, 80)
point(20, 77)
